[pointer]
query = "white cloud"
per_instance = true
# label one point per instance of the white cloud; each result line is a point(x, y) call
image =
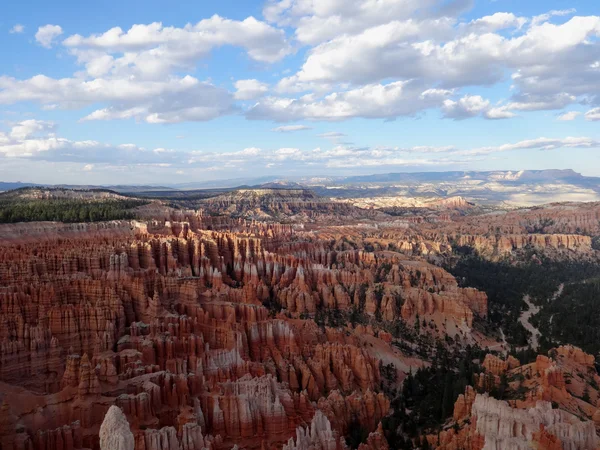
point(46, 34)
point(538, 103)
point(401, 98)
point(593, 114)
point(394, 50)
point(134, 74)
point(547, 16)
point(319, 21)
point(497, 21)
point(568, 116)
point(170, 101)
point(163, 150)
point(290, 128)
point(31, 127)
point(153, 50)
point(250, 151)
point(250, 89)
point(552, 65)
point(37, 140)
point(17, 29)
point(541, 143)
point(413, 56)
point(332, 135)
point(468, 106)
point(499, 113)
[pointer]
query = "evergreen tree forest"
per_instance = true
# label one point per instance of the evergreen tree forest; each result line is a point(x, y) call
point(427, 397)
point(13, 210)
point(506, 282)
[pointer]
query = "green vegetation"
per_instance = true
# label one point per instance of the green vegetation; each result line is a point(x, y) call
point(15, 209)
point(573, 318)
point(540, 226)
point(357, 434)
point(506, 282)
point(427, 397)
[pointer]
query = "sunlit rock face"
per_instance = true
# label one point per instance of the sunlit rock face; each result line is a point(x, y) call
point(504, 427)
point(155, 336)
point(550, 415)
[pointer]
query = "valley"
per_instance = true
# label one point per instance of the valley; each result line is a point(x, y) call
point(279, 319)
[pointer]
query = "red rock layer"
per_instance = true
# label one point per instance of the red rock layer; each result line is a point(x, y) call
point(166, 321)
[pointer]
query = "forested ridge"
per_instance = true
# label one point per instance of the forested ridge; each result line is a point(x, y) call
point(14, 210)
point(576, 312)
point(572, 318)
point(426, 399)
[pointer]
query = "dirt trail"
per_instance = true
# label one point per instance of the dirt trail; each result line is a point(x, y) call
point(532, 311)
point(524, 319)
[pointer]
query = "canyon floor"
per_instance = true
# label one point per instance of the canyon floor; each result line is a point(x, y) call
point(280, 319)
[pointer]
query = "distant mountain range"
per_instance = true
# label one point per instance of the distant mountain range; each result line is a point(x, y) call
point(522, 176)
point(513, 188)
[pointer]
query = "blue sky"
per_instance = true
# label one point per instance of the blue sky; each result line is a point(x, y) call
point(136, 92)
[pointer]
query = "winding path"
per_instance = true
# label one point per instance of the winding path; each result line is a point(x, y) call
point(524, 319)
point(532, 310)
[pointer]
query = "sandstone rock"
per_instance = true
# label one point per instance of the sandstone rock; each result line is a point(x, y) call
point(504, 427)
point(319, 436)
point(114, 432)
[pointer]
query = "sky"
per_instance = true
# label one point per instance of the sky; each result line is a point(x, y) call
point(138, 92)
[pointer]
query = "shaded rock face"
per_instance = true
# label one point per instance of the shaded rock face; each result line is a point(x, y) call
point(319, 436)
point(114, 431)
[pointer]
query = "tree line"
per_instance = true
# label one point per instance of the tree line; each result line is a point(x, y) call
point(66, 210)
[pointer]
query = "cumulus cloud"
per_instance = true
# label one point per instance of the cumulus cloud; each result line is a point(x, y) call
point(31, 127)
point(401, 98)
point(415, 55)
point(495, 22)
point(499, 113)
point(154, 50)
point(173, 100)
point(593, 114)
point(316, 22)
point(468, 106)
point(250, 89)
point(568, 116)
point(395, 51)
point(132, 74)
point(46, 35)
point(38, 140)
point(17, 29)
point(552, 65)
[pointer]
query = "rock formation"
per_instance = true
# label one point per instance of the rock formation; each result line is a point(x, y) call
point(167, 320)
point(114, 431)
point(190, 330)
